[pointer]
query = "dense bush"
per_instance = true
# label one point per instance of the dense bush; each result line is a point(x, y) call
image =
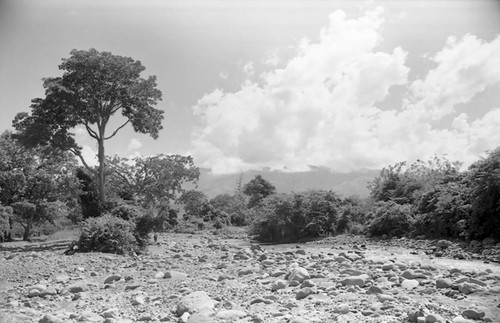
point(391, 219)
point(291, 217)
point(353, 215)
point(444, 210)
point(108, 234)
point(235, 206)
point(127, 212)
point(5, 214)
point(484, 179)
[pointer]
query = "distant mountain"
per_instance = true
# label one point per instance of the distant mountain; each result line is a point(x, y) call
point(354, 183)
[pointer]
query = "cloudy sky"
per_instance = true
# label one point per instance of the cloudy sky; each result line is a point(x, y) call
point(280, 84)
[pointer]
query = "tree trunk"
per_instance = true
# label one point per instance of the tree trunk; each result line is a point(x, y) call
point(27, 229)
point(100, 174)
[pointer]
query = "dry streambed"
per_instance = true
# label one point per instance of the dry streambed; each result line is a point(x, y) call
point(202, 278)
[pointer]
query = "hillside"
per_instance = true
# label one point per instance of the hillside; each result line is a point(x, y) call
point(354, 183)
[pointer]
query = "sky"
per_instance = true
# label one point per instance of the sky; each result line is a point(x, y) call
point(284, 85)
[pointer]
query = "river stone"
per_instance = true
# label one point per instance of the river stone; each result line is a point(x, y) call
point(112, 279)
point(299, 274)
point(303, 293)
point(473, 314)
point(410, 284)
point(443, 283)
point(461, 319)
point(278, 284)
point(110, 313)
point(476, 281)
point(410, 274)
point(195, 302)
point(50, 319)
point(342, 309)
point(387, 267)
point(351, 272)
point(62, 278)
point(434, 318)
point(355, 280)
point(175, 275)
point(468, 288)
point(245, 271)
point(77, 288)
point(159, 275)
point(385, 298)
point(374, 290)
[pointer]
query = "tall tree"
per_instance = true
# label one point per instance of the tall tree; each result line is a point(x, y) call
point(35, 182)
point(94, 87)
point(258, 189)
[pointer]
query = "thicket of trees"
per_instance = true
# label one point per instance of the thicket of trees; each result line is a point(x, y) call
point(120, 202)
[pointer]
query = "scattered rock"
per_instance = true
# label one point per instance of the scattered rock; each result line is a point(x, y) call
point(195, 302)
point(299, 274)
point(50, 319)
point(111, 279)
point(473, 314)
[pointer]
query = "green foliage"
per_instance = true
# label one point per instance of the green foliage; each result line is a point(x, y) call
point(193, 201)
point(88, 196)
point(152, 180)
point(291, 217)
point(235, 206)
point(484, 178)
point(24, 213)
point(404, 185)
point(145, 224)
point(444, 209)
point(38, 176)
point(94, 87)
point(258, 189)
point(392, 219)
point(217, 217)
point(108, 234)
point(5, 222)
point(127, 212)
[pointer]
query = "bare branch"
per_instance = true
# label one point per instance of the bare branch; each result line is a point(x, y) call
point(91, 132)
point(114, 133)
point(79, 155)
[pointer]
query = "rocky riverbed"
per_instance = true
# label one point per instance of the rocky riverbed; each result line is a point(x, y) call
point(206, 278)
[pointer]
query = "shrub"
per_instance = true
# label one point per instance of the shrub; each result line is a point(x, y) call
point(444, 209)
point(127, 212)
point(235, 206)
point(5, 214)
point(108, 234)
point(150, 222)
point(484, 179)
point(291, 217)
point(391, 219)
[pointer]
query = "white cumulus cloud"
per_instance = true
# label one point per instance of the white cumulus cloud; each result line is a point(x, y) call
point(464, 69)
point(321, 109)
point(134, 144)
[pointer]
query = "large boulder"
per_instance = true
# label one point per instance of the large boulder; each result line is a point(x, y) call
point(195, 302)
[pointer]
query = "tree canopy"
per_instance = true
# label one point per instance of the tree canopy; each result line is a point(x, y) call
point(153, 180)
point(94, 87)
point(34, 181)
point(258, 189)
